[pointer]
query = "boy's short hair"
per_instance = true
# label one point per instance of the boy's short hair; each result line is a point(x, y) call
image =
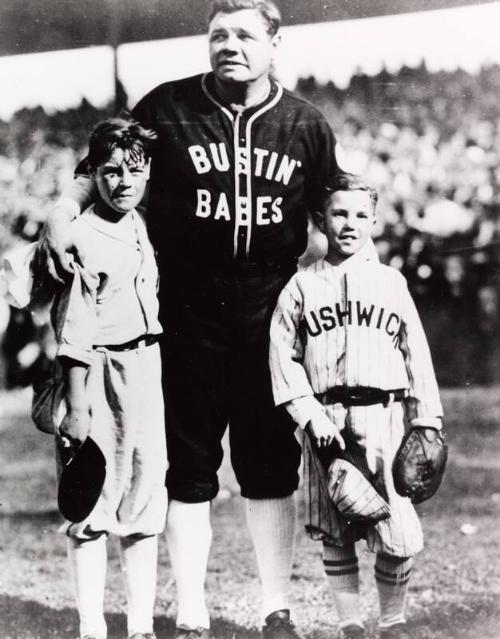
point(267, 9)
point(345, 182)
point(119, 133)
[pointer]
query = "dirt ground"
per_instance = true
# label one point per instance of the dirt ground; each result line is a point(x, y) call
point(454, 593)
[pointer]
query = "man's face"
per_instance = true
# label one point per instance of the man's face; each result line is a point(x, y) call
point(348, 222)
point(241, 49)
point(122, 181)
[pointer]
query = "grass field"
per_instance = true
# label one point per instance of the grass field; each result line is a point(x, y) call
point(454, 594)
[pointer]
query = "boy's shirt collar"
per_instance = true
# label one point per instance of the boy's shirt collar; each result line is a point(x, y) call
point(367, 253)
point(120, 230)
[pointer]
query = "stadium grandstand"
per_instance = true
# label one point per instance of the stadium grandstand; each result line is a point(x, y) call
point(426, 135)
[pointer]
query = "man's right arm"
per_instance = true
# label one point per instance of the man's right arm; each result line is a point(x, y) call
point(57, 242)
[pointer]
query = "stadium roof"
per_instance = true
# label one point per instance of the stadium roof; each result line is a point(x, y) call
point(46, 25)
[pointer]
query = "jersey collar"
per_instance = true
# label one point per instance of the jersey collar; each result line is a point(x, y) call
point(208, 87)
point(368, 253)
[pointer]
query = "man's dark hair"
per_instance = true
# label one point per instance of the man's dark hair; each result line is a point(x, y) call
point(267, 9)
point(345, 182)
point(119, 133)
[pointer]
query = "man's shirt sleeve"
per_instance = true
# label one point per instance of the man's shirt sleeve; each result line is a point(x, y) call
point(80, 193)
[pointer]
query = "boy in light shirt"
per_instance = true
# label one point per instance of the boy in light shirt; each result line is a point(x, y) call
point(108, 357)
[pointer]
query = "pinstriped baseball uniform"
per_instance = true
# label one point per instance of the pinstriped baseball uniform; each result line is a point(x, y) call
point(356, 325)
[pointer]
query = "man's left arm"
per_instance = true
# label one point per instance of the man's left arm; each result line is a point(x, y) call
point(325, 162)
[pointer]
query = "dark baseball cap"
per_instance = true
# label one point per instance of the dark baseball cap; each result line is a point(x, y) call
point(81, 482)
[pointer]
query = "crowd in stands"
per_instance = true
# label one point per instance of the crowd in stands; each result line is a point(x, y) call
point(430, 144)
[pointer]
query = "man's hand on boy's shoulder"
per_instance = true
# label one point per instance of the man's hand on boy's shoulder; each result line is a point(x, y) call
point(57, 244)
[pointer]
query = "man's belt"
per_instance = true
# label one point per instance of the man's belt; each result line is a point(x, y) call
point(245, 268)
point(139, 342)
point(360, 396)
point(230, 268)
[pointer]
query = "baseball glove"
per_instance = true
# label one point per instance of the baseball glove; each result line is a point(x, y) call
point(419, 463)
point(353, 495)
point(358, 494)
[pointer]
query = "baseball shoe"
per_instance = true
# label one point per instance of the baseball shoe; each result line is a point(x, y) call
point(397, 631)
point(142, 635)
point(277, 625)
point(185, 632)
point(352, 632)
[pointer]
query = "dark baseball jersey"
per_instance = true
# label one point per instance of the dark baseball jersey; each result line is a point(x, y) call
point(233, 185)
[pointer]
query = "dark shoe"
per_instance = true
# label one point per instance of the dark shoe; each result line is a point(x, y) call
point(352, 632)
point(142, 635)
point(185, 632)
point(277, 625)
point(397, 631)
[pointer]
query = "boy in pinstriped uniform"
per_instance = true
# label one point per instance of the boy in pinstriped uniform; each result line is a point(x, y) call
point(349, 360)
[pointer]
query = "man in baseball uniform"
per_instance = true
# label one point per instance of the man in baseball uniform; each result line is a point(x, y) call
point(237, 167)
point(348, 359)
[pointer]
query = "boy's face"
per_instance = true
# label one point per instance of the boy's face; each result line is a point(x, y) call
point(122, 181)
point(241, 50)
point(347, 222)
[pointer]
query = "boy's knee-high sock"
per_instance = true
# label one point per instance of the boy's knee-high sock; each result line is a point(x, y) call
point(342, 571)
point(189, 535)
point(392, 575)
point(272, 524)
point(138, 558)
point(87, 564)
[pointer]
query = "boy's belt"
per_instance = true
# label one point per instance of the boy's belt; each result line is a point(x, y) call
point(139, 342)
point(360, 396)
